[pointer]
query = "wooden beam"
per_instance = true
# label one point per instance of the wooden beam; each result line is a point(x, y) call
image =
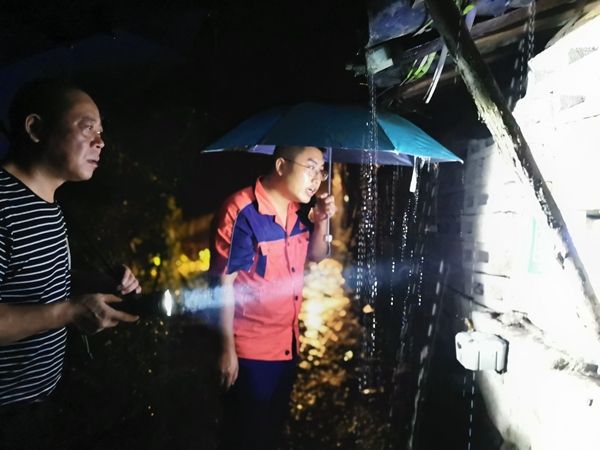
point(490, 26)
point(513, 35)
point(522, 15)
point(511, 143)
point(486, 43)
point(420, 86)
point(489, 46)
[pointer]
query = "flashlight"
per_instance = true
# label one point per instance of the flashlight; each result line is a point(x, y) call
point(154, 304)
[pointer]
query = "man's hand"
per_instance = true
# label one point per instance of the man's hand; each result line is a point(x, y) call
point(92, 312)
point(229, 361)
point(89, 312)
point(324, 209)
point(229, 366)
point(129, 283)
point(318, 244)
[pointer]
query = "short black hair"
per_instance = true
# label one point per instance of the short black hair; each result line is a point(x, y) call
point(49, 98)
point(290, 152)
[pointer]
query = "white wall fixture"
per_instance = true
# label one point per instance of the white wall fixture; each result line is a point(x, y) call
point(481, 351)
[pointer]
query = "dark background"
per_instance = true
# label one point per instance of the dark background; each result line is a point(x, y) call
point(194, 70)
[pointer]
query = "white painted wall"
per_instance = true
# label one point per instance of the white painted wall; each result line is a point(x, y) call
point(549, 397)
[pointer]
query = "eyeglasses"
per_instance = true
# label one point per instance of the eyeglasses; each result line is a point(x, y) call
point(312, 170)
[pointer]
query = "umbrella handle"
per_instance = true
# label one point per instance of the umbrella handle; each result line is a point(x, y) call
point(328, 236)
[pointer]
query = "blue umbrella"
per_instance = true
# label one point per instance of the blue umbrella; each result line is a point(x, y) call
point(345, 129)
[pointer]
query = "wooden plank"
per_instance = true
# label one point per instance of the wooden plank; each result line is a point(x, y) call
point(487, 44)
point(492, 26)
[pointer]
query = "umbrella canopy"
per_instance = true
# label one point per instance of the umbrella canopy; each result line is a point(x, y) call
point(345, 129)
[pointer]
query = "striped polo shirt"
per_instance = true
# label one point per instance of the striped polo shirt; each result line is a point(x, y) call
point(34, 269)
point(269, 258)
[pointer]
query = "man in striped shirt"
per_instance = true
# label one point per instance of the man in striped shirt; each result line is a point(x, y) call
point(55, 136)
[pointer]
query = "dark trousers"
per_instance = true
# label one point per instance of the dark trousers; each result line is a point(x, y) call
point(257, 405)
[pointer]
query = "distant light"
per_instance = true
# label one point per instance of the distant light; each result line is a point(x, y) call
point(156, 261)
point(168, 302)
point(346, 198)
point(305, 365)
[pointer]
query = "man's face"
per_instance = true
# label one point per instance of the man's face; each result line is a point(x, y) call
point(74, 147)
point(302, 177)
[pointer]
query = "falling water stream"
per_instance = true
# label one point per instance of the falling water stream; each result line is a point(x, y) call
point(518, 82)
point(366, 281)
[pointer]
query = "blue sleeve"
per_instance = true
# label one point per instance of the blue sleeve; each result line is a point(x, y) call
point(242, 251)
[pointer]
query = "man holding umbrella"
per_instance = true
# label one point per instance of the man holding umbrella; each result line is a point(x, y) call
point(260, 244)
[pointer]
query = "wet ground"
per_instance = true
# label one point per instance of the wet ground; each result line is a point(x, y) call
point(150, 386)
point(328, 409)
